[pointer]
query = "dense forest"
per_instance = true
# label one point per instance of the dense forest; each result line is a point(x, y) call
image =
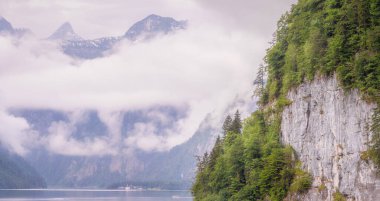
point(250, 164)
point(316, 38)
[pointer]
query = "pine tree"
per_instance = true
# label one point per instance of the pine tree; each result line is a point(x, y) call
point(215, 152)
point(236, 123)
point(202, 162)
point(227, 124)
point(259, 82)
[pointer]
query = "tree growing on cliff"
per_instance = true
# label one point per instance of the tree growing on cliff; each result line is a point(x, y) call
point(227, 124)
point(236, 123)
point(317, 38)
point(259, 84)
point(232, 172)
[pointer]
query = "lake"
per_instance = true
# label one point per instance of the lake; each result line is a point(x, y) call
point(87, 195)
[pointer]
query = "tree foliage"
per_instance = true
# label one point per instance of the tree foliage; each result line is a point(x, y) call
point(316, 38)
point(251, 165)
point(227, 124)
point(259, 83)
point(236, 123)
point(326, 37)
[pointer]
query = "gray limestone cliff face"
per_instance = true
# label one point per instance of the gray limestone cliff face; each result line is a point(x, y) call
point(329, 130)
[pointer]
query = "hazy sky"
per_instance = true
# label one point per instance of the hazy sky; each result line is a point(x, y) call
point(202, 69)
point(97, 18)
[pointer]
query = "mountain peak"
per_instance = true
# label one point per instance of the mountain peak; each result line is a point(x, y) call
point(66, 26)
point(5, 26)
point(153, 24)
point(65, 32)
point(153, 16)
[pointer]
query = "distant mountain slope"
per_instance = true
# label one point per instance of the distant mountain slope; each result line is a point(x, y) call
point(89, 49)
point(153, 25)
point(178, 165)
point(65, 33)
point(16, 173)
point(6, 28)
point(175, 167)
point(75, 46)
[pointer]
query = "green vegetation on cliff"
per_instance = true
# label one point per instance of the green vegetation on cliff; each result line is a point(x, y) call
point(250, 164)
point(321, 37)
point(316, 38)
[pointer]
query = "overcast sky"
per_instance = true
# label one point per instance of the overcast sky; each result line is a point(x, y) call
point(97, 18)
point(202, 69)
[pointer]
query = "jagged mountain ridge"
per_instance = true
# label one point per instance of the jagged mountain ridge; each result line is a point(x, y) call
point(145, 29)
point(6, 28)
point(89, 49)
point(152, 25)
point(75, 46)
point(176, 166)
point(66, 33)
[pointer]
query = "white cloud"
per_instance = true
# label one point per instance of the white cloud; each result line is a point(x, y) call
point(201, 70)
point(113, 121)
point(191, 65)
point(15, 133)
point(60, 140)
point(145, 137)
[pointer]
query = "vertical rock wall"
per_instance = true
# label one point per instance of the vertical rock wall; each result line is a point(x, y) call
point(329, 130)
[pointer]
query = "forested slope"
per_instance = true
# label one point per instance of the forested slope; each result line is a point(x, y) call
point(317, 38)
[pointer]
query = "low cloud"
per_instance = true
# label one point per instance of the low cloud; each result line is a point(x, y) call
point(60, 141)
point(16, 134)
point(199, 71)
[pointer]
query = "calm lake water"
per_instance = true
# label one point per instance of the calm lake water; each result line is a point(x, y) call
point(87, 195)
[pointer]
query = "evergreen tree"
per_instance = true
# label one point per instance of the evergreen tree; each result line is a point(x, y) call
point(227, 124)
point(216, 151)
point(236, 123)
point(259, 82)
point(343, 38)
point(202, 162)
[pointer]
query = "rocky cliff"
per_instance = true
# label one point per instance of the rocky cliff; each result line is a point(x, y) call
point(329, 130)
